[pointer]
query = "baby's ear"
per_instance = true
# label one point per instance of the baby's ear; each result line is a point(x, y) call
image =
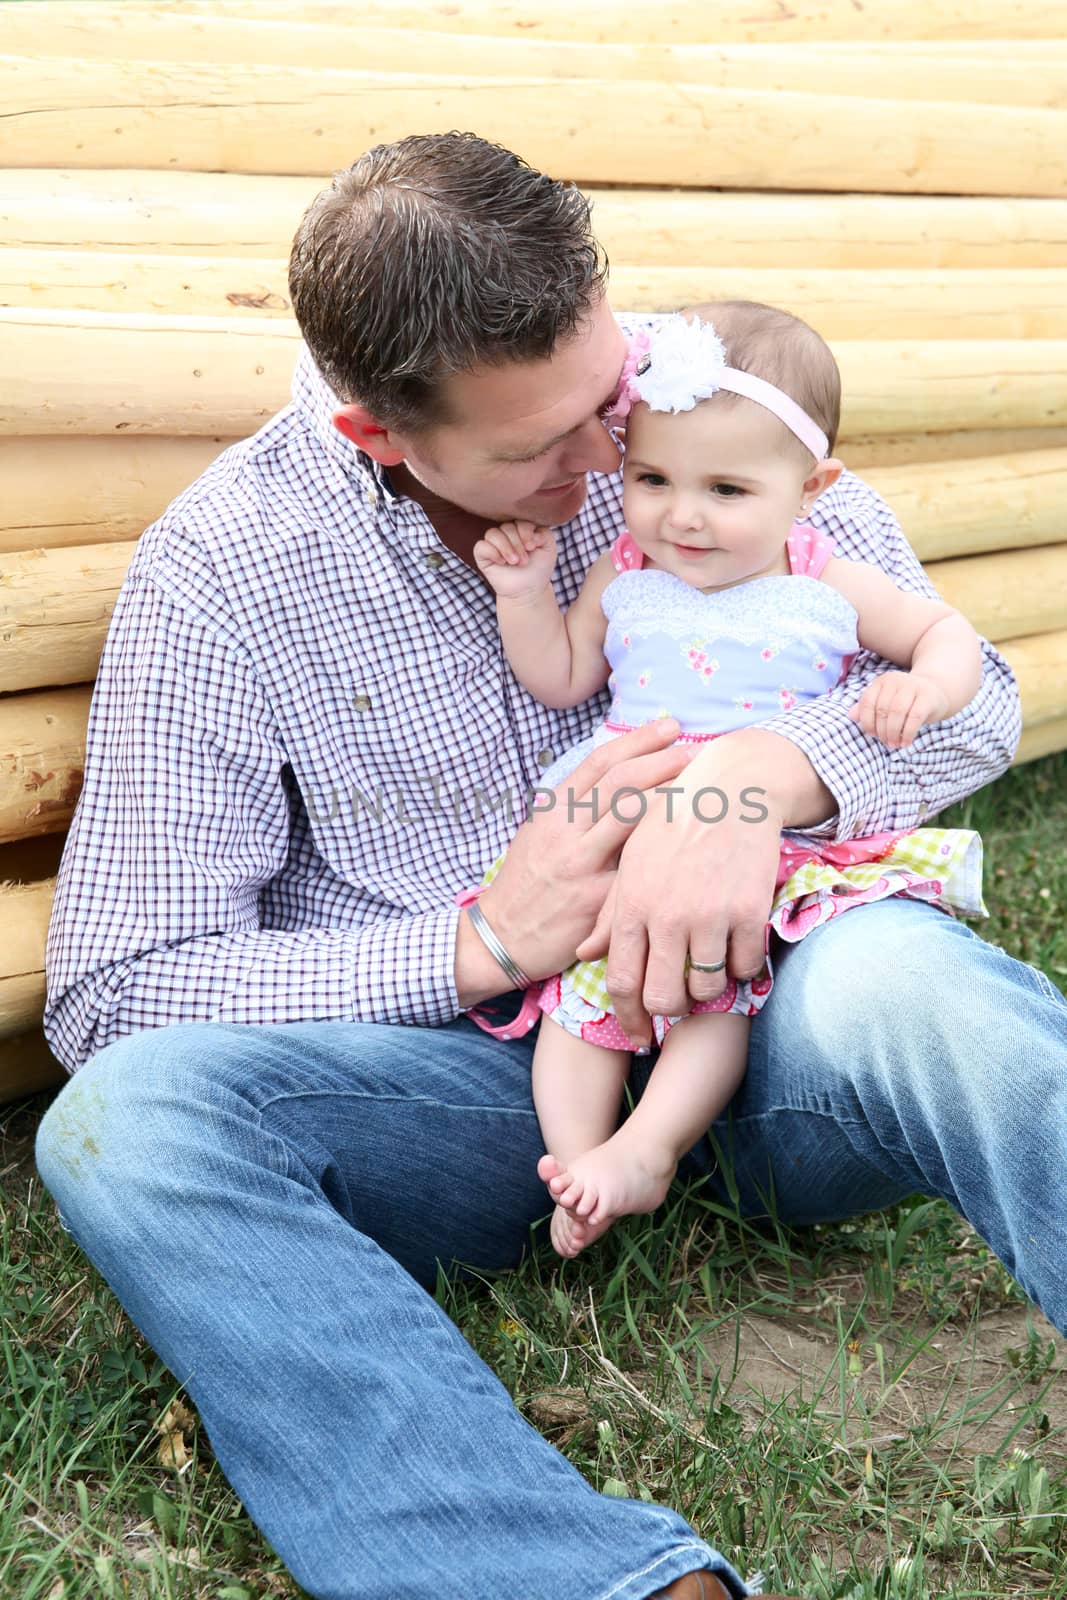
point(822, 477)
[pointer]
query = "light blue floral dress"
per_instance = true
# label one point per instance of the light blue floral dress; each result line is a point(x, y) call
point(722, 661)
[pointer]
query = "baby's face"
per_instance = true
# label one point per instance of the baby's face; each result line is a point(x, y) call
point(711, 494)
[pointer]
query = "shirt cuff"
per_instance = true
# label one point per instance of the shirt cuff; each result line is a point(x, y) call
point(875, 789)
point(406, 969)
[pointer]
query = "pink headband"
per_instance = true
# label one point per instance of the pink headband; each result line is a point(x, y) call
point(681, 362)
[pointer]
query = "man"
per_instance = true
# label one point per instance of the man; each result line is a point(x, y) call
point(304, 739)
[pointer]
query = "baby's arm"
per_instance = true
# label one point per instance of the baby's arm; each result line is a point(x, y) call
point(557, 656)
point(934, 640)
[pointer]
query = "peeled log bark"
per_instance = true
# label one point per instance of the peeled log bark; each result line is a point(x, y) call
point(190, 213)
point(867, 303)
point(58, 491)
point(195, 116)
point(967, 508)
point(24, 913)
point(938, 386)
point(1010, 594)
point(870, 455)
point(82, 373)
point(1043, 739)
point(1027, 303)
point(55, 607)
point(88, 32)
point(1040, 665)
point(692, 20)
point(989, 49)
point(42, 756)
point(208, 213)
point(172, 285)
point(27, 1066)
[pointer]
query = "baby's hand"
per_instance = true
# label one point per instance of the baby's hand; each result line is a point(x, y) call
point(897, 704)
point(518, 558)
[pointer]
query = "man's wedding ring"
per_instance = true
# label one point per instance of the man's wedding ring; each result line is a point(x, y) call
point(707, 966)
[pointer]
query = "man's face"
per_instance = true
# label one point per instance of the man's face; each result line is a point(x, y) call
point(521, 437)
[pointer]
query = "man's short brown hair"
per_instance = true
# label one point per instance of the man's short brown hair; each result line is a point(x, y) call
point(434, 255)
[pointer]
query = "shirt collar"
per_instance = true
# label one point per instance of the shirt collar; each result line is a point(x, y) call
point(313, 397)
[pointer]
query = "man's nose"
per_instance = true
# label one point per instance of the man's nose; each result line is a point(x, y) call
point(592, 449)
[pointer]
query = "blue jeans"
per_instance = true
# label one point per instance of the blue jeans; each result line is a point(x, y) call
point(266, 1202)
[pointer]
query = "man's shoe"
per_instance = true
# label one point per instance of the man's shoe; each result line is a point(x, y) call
point(703, 1586)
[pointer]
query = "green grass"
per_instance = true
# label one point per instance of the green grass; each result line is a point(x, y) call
point(869, 1411)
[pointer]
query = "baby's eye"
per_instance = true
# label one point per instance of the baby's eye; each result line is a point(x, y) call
point(729, 491)
point(651, 480)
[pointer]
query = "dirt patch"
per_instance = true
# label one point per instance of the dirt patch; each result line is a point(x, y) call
point(968, 1388)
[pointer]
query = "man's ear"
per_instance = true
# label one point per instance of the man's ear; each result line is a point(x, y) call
point(368, 435)
point(822, 477)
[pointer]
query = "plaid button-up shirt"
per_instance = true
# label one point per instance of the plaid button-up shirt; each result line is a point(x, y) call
point(305, 737)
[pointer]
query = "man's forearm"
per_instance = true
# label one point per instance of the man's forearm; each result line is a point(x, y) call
point(478, 974)
point(878, 790)
point(770, 770)
point(396, 970)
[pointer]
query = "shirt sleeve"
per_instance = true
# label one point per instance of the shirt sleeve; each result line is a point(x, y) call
point(182, 819)
point(876, 789)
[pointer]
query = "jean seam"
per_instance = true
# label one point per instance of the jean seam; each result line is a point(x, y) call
point(1046, 985)
point(392, 1099)
point(643, 1572)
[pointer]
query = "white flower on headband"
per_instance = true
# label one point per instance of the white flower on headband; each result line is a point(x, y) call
point(681, 367)
point(677, 363)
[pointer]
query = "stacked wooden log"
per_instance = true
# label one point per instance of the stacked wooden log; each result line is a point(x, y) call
point(896, 173)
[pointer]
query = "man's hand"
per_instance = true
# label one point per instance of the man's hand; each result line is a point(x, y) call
point(518, 559)
point(698, 875)
point(897, 704)
point(561, 862)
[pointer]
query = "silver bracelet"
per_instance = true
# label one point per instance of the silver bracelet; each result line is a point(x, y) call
point(515, 974)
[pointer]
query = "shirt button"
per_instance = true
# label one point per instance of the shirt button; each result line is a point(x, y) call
point(434, 559)
point(361, 702)
point(545, 758)
point(923, 809)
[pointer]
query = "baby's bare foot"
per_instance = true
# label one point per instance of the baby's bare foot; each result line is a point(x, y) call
point(615, 1179)
point(571, 1234)
point(568, 1186)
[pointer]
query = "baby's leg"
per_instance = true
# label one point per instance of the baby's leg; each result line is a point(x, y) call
point(577, 1090)
point(699, 1068)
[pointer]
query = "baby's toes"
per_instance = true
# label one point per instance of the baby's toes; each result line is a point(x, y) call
point(560, 1231)
point(571, 1196)
point(548, 1168)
